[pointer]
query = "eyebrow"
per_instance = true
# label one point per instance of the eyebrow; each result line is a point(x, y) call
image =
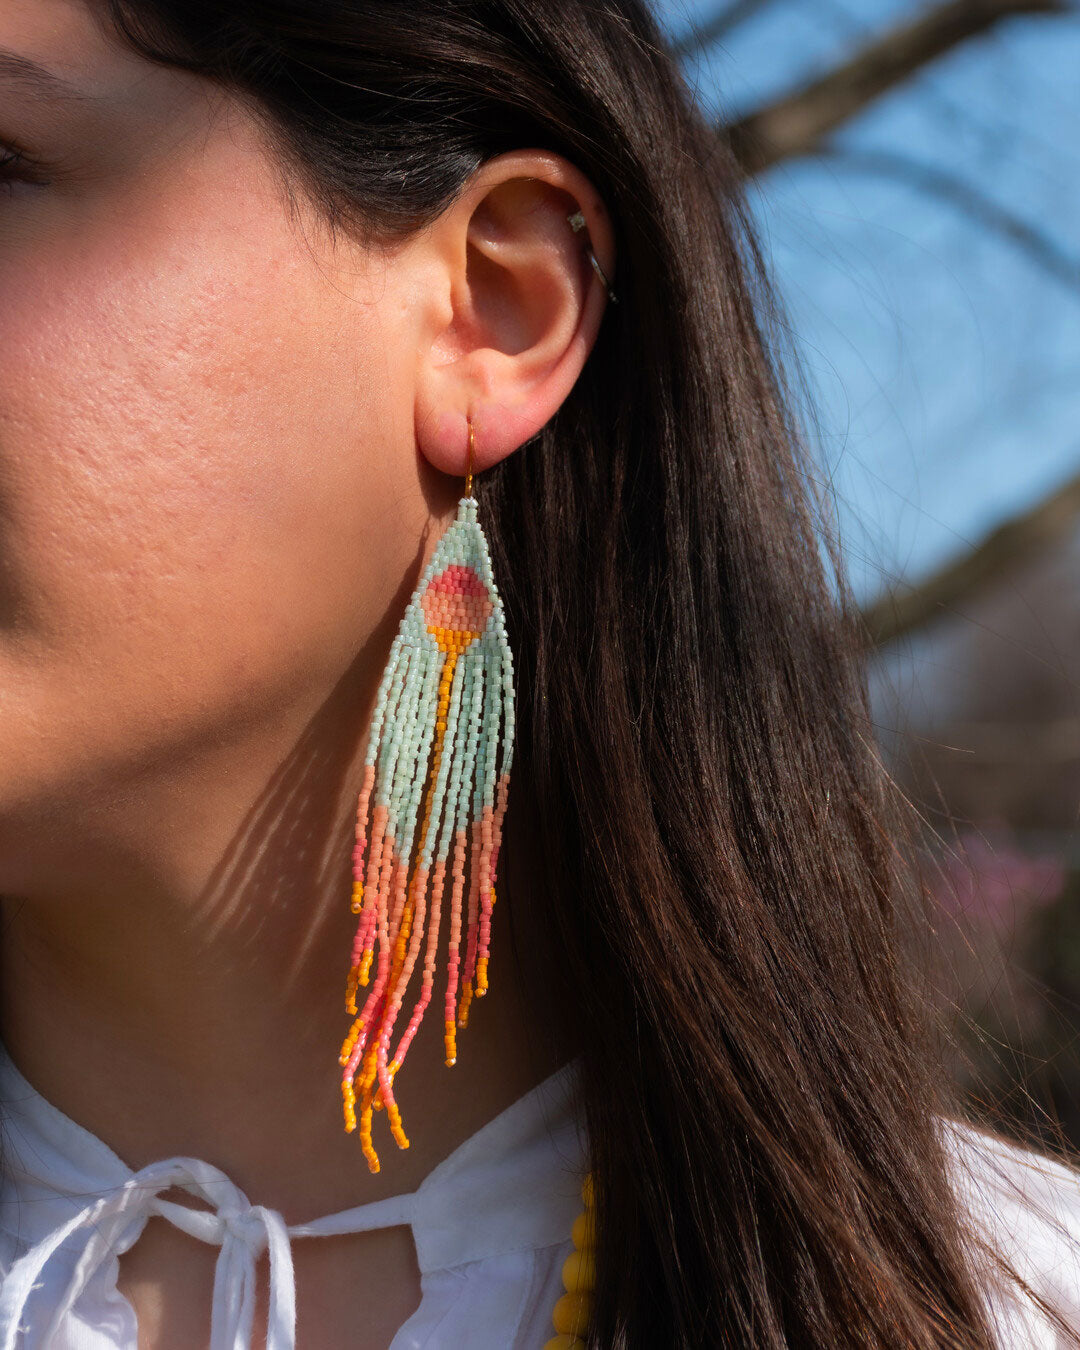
point(39, 80)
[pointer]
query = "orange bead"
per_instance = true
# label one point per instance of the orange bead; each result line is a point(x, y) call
point(583, 1232)
point(565, 1343)
point(579, 1272)
point(571, 1315)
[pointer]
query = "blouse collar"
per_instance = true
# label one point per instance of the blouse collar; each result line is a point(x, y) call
point(77, 1207)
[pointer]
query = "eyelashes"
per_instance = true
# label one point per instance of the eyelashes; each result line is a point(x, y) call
point(17, 166)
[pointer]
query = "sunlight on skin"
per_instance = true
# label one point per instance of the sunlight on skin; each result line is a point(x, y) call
point(227, 449)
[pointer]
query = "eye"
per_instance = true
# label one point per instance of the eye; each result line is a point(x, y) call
point(17, 166)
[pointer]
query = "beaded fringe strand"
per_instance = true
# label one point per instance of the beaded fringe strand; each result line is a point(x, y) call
point(447, 688)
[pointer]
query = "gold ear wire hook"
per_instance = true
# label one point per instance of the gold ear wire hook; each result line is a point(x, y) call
point(468, 468)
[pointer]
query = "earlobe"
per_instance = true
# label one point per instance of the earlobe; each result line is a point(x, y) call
point(498, 430)
point(525, 301)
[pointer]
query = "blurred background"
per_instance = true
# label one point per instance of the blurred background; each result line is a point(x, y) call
point(915, 170)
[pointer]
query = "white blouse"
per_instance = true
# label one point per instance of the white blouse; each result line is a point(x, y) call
point(69, 1207)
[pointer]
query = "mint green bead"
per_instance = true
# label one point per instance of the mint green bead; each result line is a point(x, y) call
point(479, 714)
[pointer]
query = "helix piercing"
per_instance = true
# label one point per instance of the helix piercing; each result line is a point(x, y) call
point(577, 222)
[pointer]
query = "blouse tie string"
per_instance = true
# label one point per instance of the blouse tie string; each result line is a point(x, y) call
point(116, 1219)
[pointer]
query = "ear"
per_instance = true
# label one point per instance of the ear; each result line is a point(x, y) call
point(511, 308)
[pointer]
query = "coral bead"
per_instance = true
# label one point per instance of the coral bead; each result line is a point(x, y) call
point(571, 1315)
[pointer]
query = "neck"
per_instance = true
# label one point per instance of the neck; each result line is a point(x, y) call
point(180, 989)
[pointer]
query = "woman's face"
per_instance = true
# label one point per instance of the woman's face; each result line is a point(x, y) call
point(209, 488)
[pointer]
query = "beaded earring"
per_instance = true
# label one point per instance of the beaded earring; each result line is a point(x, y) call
point(447, 687)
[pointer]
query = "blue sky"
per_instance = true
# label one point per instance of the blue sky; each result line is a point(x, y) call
point(945, 365)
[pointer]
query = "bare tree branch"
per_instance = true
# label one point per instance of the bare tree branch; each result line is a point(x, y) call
point(937, 182)
point(729, 16)
point(1005, 548)
point(797, 123)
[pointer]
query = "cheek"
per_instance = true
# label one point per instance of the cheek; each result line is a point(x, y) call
point(187, 435)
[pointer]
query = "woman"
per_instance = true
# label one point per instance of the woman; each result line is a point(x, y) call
point(277, 280)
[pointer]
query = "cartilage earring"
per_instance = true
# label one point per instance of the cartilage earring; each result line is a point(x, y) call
point(577, 224)
point(447, 690)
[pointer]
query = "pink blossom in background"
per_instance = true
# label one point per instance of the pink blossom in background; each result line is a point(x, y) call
point(989, 878)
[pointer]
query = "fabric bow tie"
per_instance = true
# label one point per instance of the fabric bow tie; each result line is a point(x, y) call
point(116, 1220)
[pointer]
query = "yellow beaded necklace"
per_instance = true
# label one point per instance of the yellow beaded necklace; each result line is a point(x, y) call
point(572, 1310)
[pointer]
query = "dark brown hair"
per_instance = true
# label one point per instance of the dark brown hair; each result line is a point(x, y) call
point(717, 840)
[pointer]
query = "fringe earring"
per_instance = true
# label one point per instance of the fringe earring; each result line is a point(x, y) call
point(447, 687)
